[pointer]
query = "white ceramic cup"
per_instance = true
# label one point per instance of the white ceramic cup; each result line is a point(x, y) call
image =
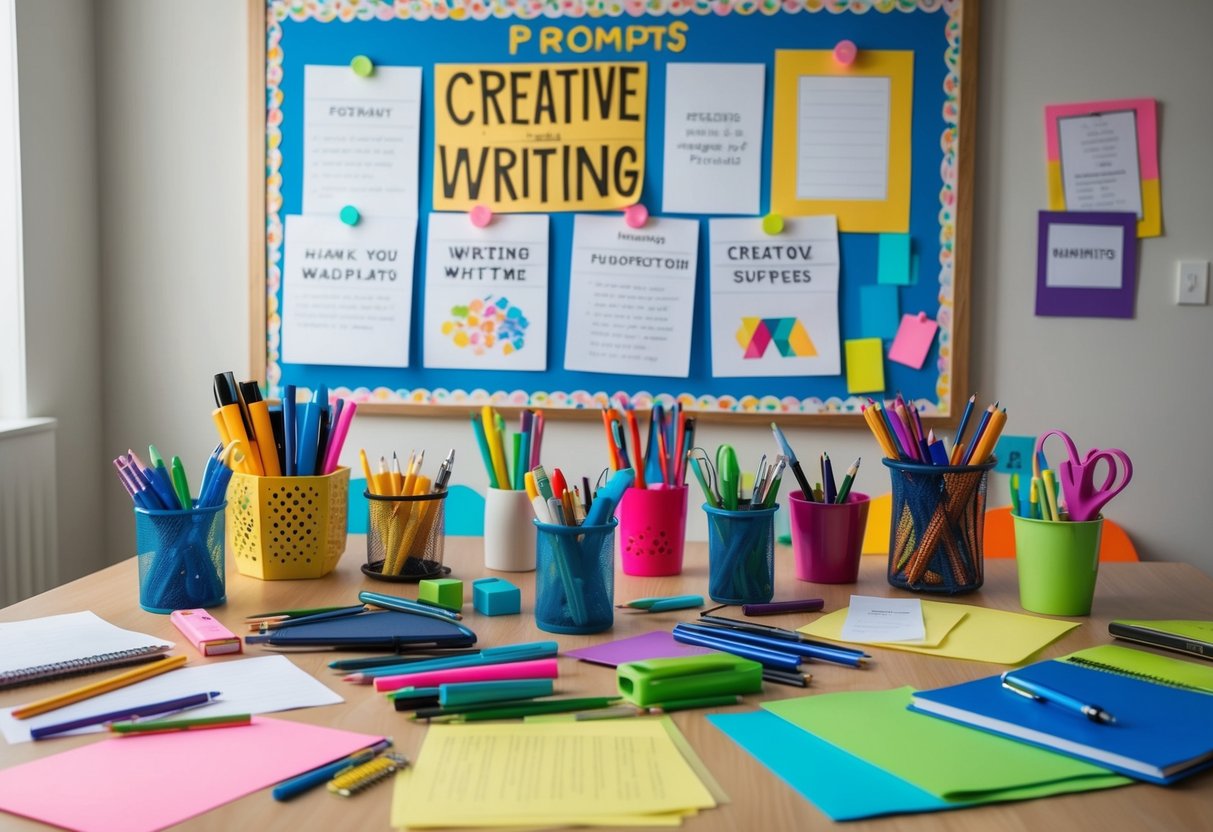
point(509, 534)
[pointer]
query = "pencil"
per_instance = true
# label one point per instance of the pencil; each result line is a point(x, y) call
point(140, 673)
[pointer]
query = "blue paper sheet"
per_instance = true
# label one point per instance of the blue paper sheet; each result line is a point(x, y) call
point(842, 786)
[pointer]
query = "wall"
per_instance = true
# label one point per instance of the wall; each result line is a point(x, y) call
point(55, 66)
point(173, 256)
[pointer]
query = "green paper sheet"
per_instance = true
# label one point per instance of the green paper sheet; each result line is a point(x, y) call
point(983, 635)
point(950, 761)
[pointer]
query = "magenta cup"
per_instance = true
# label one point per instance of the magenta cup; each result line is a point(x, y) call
point(827, 538)
point(652, 530)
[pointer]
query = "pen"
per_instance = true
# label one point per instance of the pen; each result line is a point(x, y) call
point(384, 661)
point(778, 607)
point(774, 632)
point(658, 604)
point(825, 653)
point(793, 462)
point(768, 656)
point(1044, 694)
point(135, 712)
point(517, 711)
point(489, 655)
point(159, 726)
point(296, 786)
point(140, 673)
point(340, 612)
point(391, 602)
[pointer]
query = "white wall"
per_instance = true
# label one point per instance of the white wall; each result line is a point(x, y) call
point(55, 66)
point(174, 226)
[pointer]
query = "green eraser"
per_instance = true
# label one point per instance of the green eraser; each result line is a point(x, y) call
point(654, 681)
point(441, 592)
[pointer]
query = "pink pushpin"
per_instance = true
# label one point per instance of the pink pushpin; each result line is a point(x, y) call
point(480, 215)
point(845, 52)
point(636, 215)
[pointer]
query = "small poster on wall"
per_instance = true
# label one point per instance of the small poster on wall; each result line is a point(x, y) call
point(1086, 264)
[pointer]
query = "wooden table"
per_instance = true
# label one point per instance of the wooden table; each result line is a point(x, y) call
point(759, 800)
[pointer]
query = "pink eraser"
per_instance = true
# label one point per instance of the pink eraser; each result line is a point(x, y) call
point(207, 635)
point(845, 52)
point(535, 669)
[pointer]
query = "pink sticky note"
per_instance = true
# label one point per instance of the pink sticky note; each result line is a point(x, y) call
point(913, 341)
point(140, 784)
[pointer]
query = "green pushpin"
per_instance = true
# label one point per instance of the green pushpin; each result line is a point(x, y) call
point(772, 224)
point(362, 66)
point(349, 215)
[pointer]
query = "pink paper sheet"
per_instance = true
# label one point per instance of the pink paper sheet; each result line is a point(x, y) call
point(132, 784)
point(655, 645)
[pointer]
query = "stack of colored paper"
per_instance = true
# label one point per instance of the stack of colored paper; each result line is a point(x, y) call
point(544, 774)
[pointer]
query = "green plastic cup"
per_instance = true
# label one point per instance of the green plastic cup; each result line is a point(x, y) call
point(1058, 563)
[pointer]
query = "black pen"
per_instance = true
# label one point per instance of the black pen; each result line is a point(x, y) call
point(1045, 694)
point(793, 462)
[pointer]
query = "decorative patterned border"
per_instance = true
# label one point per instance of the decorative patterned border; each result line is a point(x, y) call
point(327, 11)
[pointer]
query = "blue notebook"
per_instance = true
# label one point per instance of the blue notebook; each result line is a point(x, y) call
point(1161, 733)
point(386, 630)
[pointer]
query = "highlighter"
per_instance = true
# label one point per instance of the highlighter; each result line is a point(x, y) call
point(309, 435)
point(536, 669)
point(609, 496)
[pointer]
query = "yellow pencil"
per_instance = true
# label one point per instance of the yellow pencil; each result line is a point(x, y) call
point(496, 448)
point(371, 484)
point(1050, 500)
point(989, 437)
point(140, 673)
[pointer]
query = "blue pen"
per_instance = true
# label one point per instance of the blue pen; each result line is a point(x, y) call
point(132, 713)
point(392, 602)
point(290, 434)
point(310, 779)
point(672, 602)
point(767, 656)
point(309, 435)
point(823, 652)
point(609, 496)
point(489, 655)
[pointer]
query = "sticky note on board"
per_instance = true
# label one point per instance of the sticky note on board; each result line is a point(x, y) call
point(879, 311)
point(913, 341)
point(1015, 455)
point(893, 259)
point(865, 365)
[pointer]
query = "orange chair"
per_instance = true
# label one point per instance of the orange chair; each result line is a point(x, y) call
point(999, 539)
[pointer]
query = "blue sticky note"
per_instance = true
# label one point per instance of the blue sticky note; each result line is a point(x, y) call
point(879, 311)
point(893, 260)
point(841, 785)
point(1015, 455)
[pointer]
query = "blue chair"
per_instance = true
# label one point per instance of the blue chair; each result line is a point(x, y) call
point(464, 510)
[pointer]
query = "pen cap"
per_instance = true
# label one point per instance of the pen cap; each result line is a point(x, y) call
point(180, 558)
point(654, 681)
point(284, 528)
point(939, 548)
point(652, 530)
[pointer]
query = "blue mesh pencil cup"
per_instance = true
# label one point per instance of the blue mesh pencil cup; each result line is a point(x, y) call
point(180, 558)
point(575, 577)
point(741, 555)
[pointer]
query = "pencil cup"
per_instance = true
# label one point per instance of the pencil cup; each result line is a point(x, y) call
point(652, 530)
point(180, 558)
point(938, 521)
point(282, 528)
point(741, 555)
point(509, 531)
point(575, 578)
point(827, 538)
point(1058, 563)
point(405, 537)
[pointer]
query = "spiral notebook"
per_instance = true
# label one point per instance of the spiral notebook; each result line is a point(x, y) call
point(64, 645)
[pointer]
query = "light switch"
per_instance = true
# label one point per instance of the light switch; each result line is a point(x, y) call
point(1193, 286)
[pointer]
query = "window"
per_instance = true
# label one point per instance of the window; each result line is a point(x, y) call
point(12, 338)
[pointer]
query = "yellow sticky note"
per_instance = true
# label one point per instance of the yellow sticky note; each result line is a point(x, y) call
point(865, 365)
point(982, 635)
point(549, 774)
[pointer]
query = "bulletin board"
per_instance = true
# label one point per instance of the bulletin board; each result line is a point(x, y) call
point(288, 35)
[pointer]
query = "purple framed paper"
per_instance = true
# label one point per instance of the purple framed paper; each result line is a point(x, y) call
point(1086, 264)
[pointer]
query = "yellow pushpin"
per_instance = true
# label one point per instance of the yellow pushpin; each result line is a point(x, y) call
point(772, 224)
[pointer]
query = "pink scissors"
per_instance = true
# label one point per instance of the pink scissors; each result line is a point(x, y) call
point(1084, 499)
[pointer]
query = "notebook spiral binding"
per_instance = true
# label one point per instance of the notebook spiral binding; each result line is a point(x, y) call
point(75, 667)
point(1147, 677)
point(349, 783)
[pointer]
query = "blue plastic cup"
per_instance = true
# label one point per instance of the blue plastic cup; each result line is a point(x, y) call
point(575, 578)
point(180, 558)
point(741, 555)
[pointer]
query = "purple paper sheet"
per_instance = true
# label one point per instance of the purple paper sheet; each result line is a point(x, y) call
point(658, 644)
point(1077, 302)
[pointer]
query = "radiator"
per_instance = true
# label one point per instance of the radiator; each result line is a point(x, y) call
point(29, 541)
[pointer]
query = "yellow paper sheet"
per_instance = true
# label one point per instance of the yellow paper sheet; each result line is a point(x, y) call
point(539, 137)
point(983, 635)
point(865, 365)
point(519, 774)
point(806, 82)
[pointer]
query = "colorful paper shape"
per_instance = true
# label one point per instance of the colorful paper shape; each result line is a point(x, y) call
point(893, 259)
point(1014, 455)
point(659, 644)
point(913, 341)
point(865, 365)
point(1107, 300)
point(487, 324)
point(787, 334)
point(878, 311)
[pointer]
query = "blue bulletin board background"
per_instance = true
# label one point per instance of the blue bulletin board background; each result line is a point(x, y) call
point(467, 31)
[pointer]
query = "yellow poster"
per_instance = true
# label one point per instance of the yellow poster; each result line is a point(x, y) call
point(841, 140)
point(539, 137)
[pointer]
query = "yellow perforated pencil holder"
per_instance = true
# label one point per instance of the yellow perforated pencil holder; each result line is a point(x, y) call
point(286, 528)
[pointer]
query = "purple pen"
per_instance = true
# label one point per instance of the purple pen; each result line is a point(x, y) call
point(778, 607)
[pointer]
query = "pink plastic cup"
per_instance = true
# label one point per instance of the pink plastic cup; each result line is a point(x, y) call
point(652, 530)
point(827, 538)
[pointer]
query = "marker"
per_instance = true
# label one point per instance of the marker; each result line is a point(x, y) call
point(660, 604)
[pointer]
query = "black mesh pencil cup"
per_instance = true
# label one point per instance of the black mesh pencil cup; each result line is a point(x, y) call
point(405, 537)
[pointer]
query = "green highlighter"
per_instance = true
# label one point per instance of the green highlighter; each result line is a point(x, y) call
point(654, 681)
